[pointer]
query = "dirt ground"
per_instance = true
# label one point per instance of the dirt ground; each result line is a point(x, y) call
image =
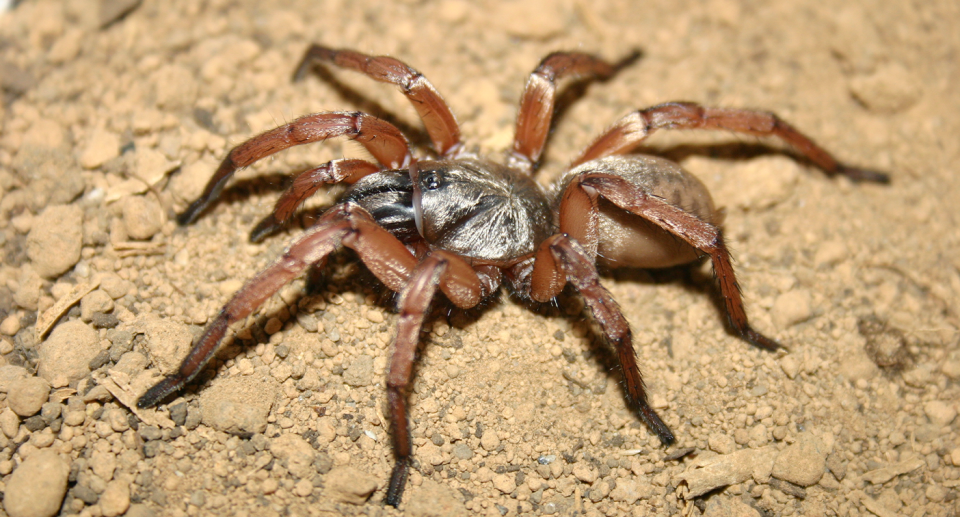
point(112, 123)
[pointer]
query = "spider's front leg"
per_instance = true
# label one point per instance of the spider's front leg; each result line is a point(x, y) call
point(346, 224)
point(380, 138)
point(560, 259)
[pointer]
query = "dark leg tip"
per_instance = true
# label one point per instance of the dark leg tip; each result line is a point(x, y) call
point(268, 226)
point(864, 175)
point(760, 341)
point(190, 214)
point(655, 423)
point(398, 481)
point(160, 391)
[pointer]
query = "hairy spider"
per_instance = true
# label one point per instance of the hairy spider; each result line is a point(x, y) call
point(463, 223)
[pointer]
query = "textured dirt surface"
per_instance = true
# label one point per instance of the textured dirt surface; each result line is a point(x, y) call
point(109, 128)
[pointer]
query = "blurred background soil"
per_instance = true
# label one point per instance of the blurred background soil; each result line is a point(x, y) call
point(114, 115)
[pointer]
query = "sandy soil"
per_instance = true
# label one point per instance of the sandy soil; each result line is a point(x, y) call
point(514, 411)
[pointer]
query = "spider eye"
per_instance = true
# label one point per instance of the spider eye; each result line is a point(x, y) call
point(431, 181)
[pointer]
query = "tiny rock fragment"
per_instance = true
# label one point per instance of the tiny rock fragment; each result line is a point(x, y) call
point(790, 366)
point(350, 485)
point(711, 473)
point(359, 372)
point(297, 454)
point(102, 147)
point(802, 463)
point(889, 89)
point(10, 423)
point(490, 440)
point(791, 308)
point(432, 499)
point(167, 342)
point(10, 325)
point(939, 412)
point(27, 396)
point(46, 320)
point(65, 356)
point(37, 487)
point(55, 239)
point(115, 499)
point(884, 474)
point(239, 404)
point(143, 216)
point(505, 483)
point(96, 301)
point(10, 373)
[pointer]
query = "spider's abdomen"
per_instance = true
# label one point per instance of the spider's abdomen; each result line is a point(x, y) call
point(628, 240)
point(480, 209)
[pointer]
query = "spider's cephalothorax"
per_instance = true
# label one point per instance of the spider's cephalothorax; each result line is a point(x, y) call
point(464, 224)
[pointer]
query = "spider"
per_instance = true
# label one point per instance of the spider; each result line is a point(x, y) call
point(464, 224)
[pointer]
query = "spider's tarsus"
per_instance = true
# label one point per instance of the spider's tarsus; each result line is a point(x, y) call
point(760, 341)
point(160, 391)
point(265, 228)
point(190, 214)
point(398, 480)
point(864, 175)
point(656, 424)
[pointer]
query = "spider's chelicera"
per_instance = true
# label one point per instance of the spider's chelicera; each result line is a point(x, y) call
point(463, 224)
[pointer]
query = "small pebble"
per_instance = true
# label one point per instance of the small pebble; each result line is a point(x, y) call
point(65, 356)
point(359, 372)
point(54, 242)
point(802, 463)
point(27, 396)
point(115, 499)
point(113, 285)
point(505, 483)
point(490, 441)
point(96, 301)
point(297, 453)
point(10, 325)
point(9, 422)
point(721, 443)
point(303, 488)
point(585, 473)
point(939, 412)
point(791, 308)
point(102, 147)
point(37, 487)
point(350, 485)
point(238, 404)
point(790, 366)
point(463, 451)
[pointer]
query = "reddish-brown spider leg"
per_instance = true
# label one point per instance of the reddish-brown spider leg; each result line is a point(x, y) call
point(464, 288)
point(699, 234)
point(382, 139)
point(304, 186)
point(348, 224)
point(439, 121)
point(560, 259)
point(539, 98)
point(634, 128)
